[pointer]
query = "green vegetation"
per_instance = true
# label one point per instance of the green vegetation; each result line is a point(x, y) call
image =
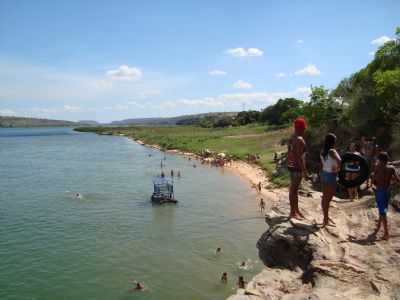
point(235, 141)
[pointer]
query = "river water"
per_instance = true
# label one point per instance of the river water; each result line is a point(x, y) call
point(55, 245)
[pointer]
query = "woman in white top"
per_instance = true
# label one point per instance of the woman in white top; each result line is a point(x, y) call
point(331, 161)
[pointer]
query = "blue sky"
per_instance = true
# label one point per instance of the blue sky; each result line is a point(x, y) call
point(110, 60)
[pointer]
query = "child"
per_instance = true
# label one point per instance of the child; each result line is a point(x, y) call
point(383, 175)
point(241, 283)
point(262, 205)
point(224, 277)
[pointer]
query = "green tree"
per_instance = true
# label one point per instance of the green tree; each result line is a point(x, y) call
point(278, 114)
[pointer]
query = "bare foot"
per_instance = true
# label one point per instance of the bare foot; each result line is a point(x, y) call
point(300, 214)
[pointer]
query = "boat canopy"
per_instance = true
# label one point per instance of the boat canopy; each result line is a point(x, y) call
point(163, 185)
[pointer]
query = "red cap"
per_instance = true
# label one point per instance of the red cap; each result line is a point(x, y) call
point(300, 124)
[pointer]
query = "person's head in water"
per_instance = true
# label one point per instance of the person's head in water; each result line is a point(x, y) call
point(218, 250)
point(243, 264)
point(383, 158)
point(330, 141)
point(300, 126)
point(224, 277)
point(139, 286)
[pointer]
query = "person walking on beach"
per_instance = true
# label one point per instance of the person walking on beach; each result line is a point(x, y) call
point(296, 165)
point(330, 161)
point(382, 178)
point(262, 205)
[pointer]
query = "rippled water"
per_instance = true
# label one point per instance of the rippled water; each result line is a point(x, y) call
point(54, 245)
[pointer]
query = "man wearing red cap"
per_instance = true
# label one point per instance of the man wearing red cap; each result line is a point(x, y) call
point(296, 165)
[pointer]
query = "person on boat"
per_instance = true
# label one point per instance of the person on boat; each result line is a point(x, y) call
point(262, 205)
point(224, 277)
point(241, 283)
point(296, 165)
point(330, 161)
point(383, 175)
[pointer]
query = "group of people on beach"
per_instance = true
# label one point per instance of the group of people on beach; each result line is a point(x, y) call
point(381, 172)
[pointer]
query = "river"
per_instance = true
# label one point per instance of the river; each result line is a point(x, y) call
point(55, 245)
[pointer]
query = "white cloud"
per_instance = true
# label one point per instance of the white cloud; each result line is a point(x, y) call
point(125, 72)
point(280, 75)
point(381, 40)
point(255, 100)
point(243, 52)
point(300, 42)
point(309, 70)
point(7, 112)
point(217, 73)
point(136, 104)
point(240, 84)
point(372, 53)
point(71, 108)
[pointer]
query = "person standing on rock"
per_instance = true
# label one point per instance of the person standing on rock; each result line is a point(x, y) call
point(296, 165)
point(331, 162)
point(383, 175)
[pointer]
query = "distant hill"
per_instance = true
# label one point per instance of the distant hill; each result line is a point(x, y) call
point(180, 120)
point(35, 122)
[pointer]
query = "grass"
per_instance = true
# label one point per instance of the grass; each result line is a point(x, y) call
point(235, 141)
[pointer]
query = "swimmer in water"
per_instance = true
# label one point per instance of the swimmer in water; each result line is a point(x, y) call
point(138, 286)
point(224, 277)
point(219, 250)
point(243, 264)
point(78, 195)
point(241, 283)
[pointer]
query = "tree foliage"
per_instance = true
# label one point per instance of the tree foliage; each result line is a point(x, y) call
point(282, 112)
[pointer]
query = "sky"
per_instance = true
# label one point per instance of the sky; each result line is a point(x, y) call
point(112, 60)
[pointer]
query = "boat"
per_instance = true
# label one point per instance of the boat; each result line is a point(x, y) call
point(163, 190)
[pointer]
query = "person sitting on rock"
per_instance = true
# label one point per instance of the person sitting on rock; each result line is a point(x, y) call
point(383, 175)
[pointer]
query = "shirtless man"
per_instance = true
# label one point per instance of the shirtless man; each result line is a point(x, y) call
point(296, 165)
point(383, 175)
point(262, 205)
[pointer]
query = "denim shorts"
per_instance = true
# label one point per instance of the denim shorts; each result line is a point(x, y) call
point(382, 197)
point(328, 178)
